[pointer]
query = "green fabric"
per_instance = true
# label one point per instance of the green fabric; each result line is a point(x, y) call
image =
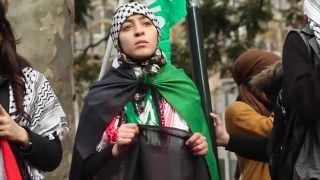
point(169, 12)
point(181, 93)
point(151, 113)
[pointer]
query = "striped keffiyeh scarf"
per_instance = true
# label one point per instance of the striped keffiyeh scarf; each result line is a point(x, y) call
point(47, 118)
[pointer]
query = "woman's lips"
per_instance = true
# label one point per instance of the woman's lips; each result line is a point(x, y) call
point(141, 43)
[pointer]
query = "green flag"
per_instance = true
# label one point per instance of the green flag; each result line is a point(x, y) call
point(169, 12)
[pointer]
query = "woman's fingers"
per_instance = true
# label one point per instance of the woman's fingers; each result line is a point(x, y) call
point(198, 144)
point(199, 147)
point(3, 133)
point(222, 136)
point(123, 134)
point(126, 133)
point(3, 120)
point(126, 130)
point(130, 127)
point(4, 127)
point(193, 139)
point(4, 116)
point(124, 141)
point(201, 152)
point(2, 110)
point(216, 119)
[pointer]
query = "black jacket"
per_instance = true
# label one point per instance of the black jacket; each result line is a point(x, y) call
point(44, 154)
point(301, 98)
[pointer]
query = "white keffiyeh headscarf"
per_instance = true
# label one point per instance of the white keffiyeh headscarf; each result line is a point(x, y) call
point(125, 11)
point(312, 10)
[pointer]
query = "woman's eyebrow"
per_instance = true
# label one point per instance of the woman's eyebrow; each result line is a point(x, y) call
point(129, 21)
point(142, 17)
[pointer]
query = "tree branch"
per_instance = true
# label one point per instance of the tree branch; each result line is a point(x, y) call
point(93, 45)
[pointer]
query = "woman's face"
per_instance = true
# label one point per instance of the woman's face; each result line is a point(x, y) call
point(138, 37)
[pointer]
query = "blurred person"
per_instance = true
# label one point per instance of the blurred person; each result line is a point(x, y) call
point(296, 150)
point(293, 149)
point(144, 119)
point(31, 118)
point(251, 146)
point(251, 113)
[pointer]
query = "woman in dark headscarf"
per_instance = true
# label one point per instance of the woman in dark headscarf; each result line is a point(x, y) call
point(247, 65)
point(144, 93)
point(31, 118)
point(293, 149)
point(251, 113)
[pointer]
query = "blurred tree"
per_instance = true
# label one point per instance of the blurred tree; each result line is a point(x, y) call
point(82, 12)
point(229, 28)
point(294, 13)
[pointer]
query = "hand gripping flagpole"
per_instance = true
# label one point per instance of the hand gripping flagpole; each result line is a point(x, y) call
point(107, 61)
point(199, 62)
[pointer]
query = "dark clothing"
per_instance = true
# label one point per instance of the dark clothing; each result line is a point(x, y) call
point(100, 106)
point(165, 146)
point(107, 98)
point(251, 147)
point(301, 78)
point(44, 154)
point(298, 114)
point(96, 161)
point(301, 87)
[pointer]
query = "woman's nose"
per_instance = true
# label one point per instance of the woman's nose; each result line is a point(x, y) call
point(139, 30)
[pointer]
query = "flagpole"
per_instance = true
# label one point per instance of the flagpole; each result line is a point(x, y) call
point(199, 62)
point(106, 61)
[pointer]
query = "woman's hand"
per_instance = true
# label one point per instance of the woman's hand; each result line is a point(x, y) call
point(198, 144)
point(125, 136)
point(222, 136)
point(10, 130)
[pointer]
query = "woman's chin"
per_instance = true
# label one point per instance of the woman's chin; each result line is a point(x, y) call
point(142, 56)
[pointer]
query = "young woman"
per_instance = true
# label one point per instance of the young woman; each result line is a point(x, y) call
point(31, 118)
point(144, 99)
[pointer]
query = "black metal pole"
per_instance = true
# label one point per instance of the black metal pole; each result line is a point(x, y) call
point(199, 64)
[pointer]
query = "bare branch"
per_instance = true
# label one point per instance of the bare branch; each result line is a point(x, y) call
point(93, 45)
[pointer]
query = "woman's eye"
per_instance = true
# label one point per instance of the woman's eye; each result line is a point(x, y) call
point(147, 23)
point(126, 27)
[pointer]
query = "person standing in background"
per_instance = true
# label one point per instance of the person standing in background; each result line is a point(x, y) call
point(251, 113)
point(32, 121)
